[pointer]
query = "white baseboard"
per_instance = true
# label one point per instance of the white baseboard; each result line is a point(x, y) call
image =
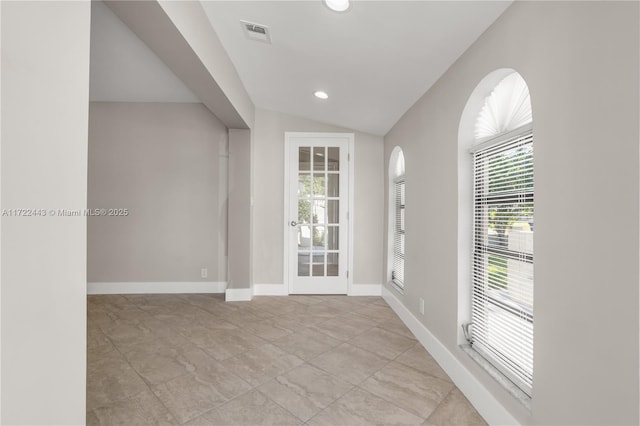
point(156, 287)
point(486, 404)
point(238, 295)
point(270, 290)
point(365, 290)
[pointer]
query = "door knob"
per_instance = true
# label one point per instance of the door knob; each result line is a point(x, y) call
point(294, 223)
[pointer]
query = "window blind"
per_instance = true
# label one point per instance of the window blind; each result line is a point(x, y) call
point(398, 234)
point(502, 299)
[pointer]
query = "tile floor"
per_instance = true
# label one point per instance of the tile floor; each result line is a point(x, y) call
point(314, 360)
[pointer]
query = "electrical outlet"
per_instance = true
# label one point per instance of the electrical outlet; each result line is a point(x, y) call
point(204, 272)
point(422, 306)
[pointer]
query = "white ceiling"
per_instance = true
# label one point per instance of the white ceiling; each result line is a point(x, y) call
point(374, 61)
point(124, 69)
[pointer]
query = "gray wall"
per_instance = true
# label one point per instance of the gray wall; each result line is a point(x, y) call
point(580, 60)
point(240, 208)
point(268, 213)
point(166, 163)
point(45, 94)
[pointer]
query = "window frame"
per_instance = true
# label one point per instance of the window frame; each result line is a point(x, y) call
point(398, 252)
point(482, 248)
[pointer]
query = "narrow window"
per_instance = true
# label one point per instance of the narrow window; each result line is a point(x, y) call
point(398, 234)
point(503, 226)
point(396, 217)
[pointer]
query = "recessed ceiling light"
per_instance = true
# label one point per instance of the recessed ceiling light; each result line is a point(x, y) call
point(337, 5)
point(320, 94)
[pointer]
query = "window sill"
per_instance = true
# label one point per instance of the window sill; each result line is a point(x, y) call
point(507, 384)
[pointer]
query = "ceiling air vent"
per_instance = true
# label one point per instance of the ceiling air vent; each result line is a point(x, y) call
point(256, 31)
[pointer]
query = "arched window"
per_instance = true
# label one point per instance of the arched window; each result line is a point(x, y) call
point(503, 224)
point(396, 217)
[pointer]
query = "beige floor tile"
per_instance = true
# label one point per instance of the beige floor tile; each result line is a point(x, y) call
point(266, 329)
point(186, 311)
point(165, 359)
point(112, 302)
point(455, 410)
point(134, 314)
point(322, 310)
point(173, 342)
point(91, 419)
point(252, 408)
point(263, 312)
point(360, 407)
point(110, 378)
point(297, 321)
point(99, 317)
point(376, 312)
point(350, 363)
point(240, 317)
point(155, 306)
point(305, 390)
point(306, 300)
point(344, 305)
point(191, 395)
point(344, 327)
point(306, 343)
point(223, 344)
point(397, 326)
point(408, 388)
point(382, 342)
point(95, 337)
point(157, 329)
point(273, 305)
point(141, 409)
point(261, 364)
point(204, 301)
point(418, 358)
point(183, 323)
point(124, 333)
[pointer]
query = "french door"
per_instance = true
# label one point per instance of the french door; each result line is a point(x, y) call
point(316, 212)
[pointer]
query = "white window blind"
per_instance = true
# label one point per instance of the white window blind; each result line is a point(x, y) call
point(502, 299)
point(398, 233)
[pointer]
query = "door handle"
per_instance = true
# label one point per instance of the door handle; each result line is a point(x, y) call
point(294, 223)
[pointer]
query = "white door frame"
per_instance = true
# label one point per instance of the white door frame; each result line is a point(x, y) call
point(287, 199)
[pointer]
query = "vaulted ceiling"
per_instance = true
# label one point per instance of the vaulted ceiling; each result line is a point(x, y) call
point(374, 61)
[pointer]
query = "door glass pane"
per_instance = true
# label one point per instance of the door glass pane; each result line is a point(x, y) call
point(319, 184)
point(304, 185)
point(304, 237)
point(304, 158)
point(318, 237)
point(318, 257)
point(318, 270)
point(304, 211)
point(303, 264)
point(333, 185)
point(333, 211)
point(333, 158)
point(319, 211)
point(333, 238)
point(333, 264)
point(319, 158)
point(318, 264)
